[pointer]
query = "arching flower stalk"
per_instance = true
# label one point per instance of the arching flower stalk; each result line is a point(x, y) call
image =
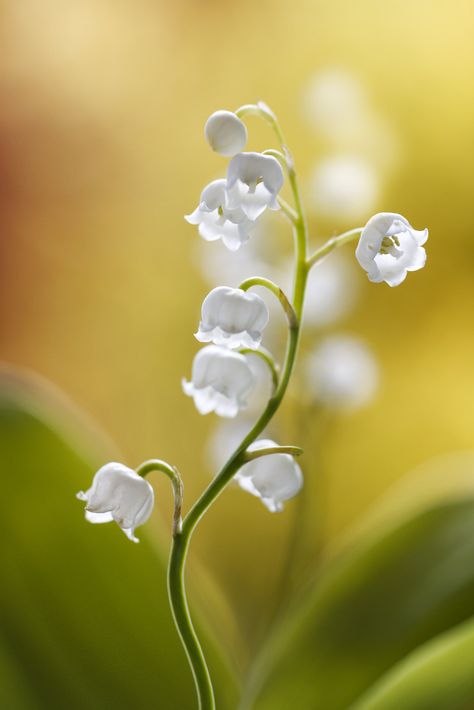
point(233, 321)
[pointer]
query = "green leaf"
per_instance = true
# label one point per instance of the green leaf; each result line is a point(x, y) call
point(401, 584)
point(437, 676)
point(85, 621)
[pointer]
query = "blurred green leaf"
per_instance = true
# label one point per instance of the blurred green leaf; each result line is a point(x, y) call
point(85, 621)
point(372, 605)
point(438, 676)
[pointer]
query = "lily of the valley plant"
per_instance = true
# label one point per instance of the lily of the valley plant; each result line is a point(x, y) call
point(231, 327)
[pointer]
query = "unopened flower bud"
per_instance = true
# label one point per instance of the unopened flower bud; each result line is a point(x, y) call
point(225, 133)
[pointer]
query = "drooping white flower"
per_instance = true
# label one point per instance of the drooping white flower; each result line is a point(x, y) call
point(118, 493)
point(233, 318)
point(389, 247)
point(225, 133)
point(217, 220)
point(341, 373)
point(274, 478)
point(221, 381)
point(253, 183)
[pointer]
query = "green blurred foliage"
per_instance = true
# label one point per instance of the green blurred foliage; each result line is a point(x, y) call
point(85, 621)
point(371, 607)
point(438, 676)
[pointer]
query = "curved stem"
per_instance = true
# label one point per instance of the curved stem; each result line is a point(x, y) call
point(332, 244)
point(275, 154)
point(182, 619)
point(181, 541)
point(277, 291)
point(288, 210)
point(176, 481)
point(267, 358)
point(258, 453)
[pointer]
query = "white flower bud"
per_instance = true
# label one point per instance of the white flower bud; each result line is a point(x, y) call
point(274, 478)
point(341, 373)
point(118, 493)
point(389, 247)
point(232, 317)
point(221, 381)
point(253, 183)
point(217, 221)
point(225, 133)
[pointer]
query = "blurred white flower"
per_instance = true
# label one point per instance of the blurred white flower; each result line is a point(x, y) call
point(341, 373)
point(333, 102)
point(233, 318)
point(274, 479)
point(389, 247)
point(263, 389)
point(225, 437)
point(343, 188)
point(331, 290)
point(337, 106)
point(216, 267)
point(118, 493)
point(253, 183)
point(221, 381)
point(217, 221)
point(225, 133)
point(255, 257)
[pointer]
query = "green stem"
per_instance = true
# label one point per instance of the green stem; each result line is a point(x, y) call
point(288, 210)
point(267, 358)
point(176, 481)
point(180, 544)
point(270, 450)
point(182, 619)
point(277, 291)
point(332, 244)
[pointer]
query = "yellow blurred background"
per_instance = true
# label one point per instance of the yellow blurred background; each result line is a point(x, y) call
point(102, 153)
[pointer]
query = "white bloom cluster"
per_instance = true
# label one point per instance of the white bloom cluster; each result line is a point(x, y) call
point(229, 207)
point(222, 379)
point(231, 318)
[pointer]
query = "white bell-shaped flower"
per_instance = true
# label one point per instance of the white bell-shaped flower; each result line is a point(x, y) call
point(274, 478)
point(232, 317)
point(341, 373)
point(118, 493)
point(253, 183)
point(217, 221)
point(221, 381)
point(389, 247)
point(225, 133)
